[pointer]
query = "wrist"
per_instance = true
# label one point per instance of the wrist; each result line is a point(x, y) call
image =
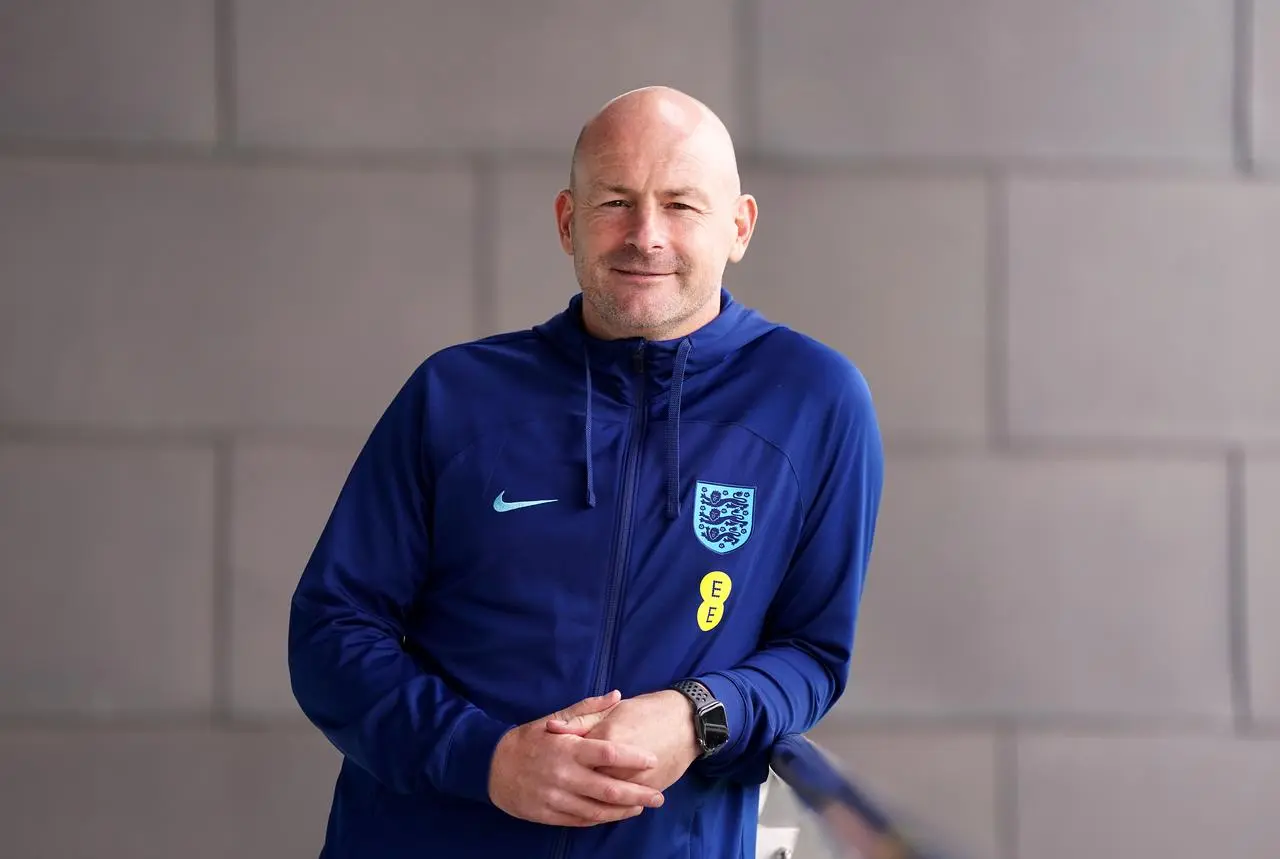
point(688, 723)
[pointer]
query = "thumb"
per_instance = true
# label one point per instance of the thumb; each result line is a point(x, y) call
point(587, 706)
point(584, 715)
point(577, 725)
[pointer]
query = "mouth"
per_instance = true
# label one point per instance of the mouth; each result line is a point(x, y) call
point(642, 275)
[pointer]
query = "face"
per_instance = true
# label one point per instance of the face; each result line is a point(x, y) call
point(651, 223)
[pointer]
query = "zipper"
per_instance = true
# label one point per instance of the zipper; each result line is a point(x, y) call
point(624, 527)
point(623, 552)
point(562, 844)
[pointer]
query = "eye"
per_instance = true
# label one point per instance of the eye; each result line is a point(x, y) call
point(614, 203)
point(682, 206)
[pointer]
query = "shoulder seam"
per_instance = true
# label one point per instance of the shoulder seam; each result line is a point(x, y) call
point(795, 475)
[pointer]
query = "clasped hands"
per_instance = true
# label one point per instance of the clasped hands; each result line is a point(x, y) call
point(601, 760)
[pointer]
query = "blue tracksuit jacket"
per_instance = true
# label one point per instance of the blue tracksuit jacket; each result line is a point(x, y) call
point(441, 608)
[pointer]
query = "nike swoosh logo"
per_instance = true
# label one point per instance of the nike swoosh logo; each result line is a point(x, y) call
point(504, 506)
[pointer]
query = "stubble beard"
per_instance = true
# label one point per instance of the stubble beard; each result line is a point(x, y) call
point(648, 319)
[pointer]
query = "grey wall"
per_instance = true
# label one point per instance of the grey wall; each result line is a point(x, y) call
point(1047, 231)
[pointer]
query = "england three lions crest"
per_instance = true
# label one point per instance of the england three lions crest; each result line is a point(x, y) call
point(722, 515)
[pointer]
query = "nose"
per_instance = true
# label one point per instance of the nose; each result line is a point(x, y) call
point(647, 230)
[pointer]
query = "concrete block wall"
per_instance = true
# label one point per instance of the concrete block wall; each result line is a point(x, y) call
point(1045, 230)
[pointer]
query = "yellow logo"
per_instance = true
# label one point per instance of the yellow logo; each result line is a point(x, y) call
point(715, 589)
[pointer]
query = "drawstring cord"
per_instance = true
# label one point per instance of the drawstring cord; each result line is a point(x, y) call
point(591, 480)
point(673, 429)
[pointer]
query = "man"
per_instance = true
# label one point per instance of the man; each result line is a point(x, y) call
point(581, 577)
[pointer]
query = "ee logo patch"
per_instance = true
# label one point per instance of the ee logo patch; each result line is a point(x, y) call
point(715, 589)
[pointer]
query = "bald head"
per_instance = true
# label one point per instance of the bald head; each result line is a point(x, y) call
point(660, 117)
point(653, 213)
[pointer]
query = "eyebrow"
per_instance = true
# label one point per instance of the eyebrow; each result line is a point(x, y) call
point(683, 191)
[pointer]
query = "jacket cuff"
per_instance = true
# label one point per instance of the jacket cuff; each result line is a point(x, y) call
point(470, 757)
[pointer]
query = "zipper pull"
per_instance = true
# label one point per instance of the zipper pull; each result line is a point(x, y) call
point(637, 359)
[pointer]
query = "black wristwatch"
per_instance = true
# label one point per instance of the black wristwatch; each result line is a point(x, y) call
point(710, 724)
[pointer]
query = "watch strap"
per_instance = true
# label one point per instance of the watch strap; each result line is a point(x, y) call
point(696, 692)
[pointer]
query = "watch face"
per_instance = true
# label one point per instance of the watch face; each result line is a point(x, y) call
point(715, 727)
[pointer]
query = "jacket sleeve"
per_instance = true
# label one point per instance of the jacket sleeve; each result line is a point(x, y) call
point(802, 665)
point(348, 669)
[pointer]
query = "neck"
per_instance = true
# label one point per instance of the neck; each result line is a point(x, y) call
point(600, 328)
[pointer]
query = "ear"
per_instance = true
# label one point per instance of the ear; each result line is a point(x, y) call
point(564, 220)
point(744, 221)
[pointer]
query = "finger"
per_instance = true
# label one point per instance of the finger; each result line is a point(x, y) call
point(587, 811)
point(602, 753)
point(621, 773)
point(588, 705)
point(613, 791)
point(580, 725)
point(560, 818)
